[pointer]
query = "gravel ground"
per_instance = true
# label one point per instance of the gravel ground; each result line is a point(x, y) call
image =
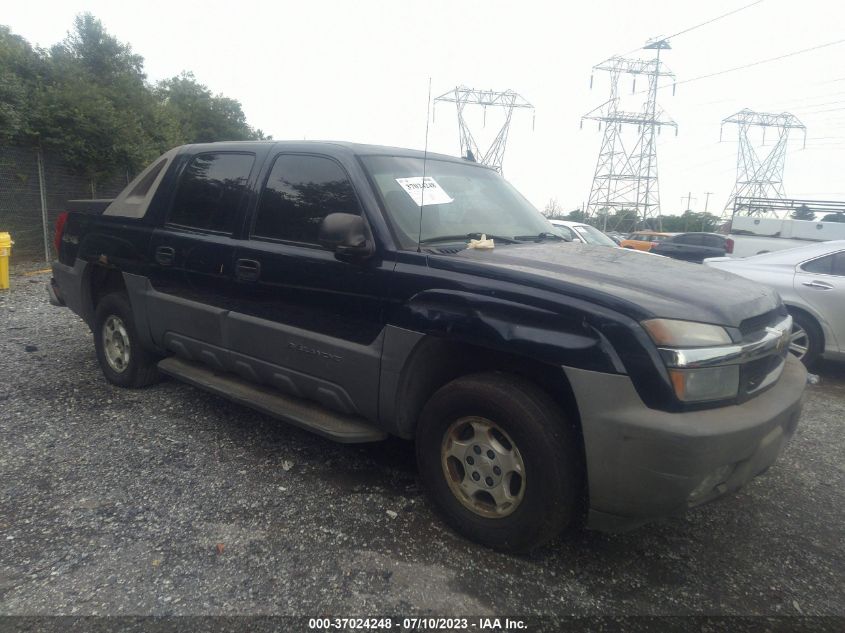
point(172, 501)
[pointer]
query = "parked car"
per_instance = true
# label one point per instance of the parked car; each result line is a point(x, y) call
point(583, 233)
point(694, 247)
point(811, 281)
point(615, 236)
point(644, 240)
point(333, 286)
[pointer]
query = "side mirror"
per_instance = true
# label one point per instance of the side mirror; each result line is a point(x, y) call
point(346, 235)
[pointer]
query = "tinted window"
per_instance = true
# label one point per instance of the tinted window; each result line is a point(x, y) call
point(685, 239)
point(714, 241)
point(299, 193)
point(210, 191)
point(828, 265)
point(822, 265)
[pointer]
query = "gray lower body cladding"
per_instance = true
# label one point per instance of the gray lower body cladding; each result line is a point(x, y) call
point(644, 464)
point(68, 286)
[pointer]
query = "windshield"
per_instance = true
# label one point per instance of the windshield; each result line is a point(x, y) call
point(458, 200)
point(592, 235)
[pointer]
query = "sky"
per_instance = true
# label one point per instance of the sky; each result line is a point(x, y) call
point(359, 71)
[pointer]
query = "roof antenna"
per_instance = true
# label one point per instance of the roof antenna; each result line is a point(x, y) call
point(425, 160)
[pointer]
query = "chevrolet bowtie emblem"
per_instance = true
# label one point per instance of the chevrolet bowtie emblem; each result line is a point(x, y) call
point(784, 337)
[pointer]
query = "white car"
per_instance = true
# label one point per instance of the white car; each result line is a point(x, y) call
point(580, 232)
point(811, 281)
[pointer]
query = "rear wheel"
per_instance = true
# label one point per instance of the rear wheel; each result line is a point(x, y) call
point(122, 357)
point(807, 341)
point(499, 461)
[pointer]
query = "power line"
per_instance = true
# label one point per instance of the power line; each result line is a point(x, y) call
point(697, 26)
point(757, 63)
point(724, 15)
point(822, 111)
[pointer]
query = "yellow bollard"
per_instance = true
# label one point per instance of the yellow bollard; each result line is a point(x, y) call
point(5, 253)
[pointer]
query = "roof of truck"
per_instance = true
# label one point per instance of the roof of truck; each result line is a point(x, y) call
point(361, 149)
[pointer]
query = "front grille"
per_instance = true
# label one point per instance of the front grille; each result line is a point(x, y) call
point(758, 374)
point(762, 321)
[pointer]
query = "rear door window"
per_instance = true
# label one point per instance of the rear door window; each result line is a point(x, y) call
point(828, 265)
point(820, 265)
point(714, 241)
point(838, 267)
point(211, 191)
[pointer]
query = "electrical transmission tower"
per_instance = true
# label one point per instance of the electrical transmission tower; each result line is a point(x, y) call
point(626, 171)
point(508, 100)
point(759, 179)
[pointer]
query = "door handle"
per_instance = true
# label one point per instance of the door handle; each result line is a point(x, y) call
point(165, 255)
point(820, 285)
point(247, 269)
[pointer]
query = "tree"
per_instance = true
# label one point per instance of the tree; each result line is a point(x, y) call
point(200, 116)
point(576, 215)
point(834, 217)
point(87, 98)
point(22, 72)
point(689, 222)
point(552, 209)
point(623, 220)
point(803, 213)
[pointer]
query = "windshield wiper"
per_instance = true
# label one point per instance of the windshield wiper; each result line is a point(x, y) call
point(469, 236)
point(539, 237)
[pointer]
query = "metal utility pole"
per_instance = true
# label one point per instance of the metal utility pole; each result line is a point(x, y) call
point(707, 199)
point(759, 177)
point(508, 100)
point(42, 190)
point(689, 200)
point(626, 172)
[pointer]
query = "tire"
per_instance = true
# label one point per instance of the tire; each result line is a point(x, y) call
point(122, 357)
point(533, 507)
point(807, 342)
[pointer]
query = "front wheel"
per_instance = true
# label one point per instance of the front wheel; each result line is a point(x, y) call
point(807, 341)
point(123, 359)
point(499, 460)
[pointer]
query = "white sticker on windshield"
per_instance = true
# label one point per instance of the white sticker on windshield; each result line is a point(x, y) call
point(414, 187)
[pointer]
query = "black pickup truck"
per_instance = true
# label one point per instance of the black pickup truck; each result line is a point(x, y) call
point(345, 289)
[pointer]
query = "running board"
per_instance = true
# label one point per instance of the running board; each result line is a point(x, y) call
point(302, 413)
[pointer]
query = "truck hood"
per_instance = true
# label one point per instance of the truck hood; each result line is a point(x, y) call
point(639, 285)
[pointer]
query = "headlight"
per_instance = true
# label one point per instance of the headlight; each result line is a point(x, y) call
point(706, 383)
point(672, 333)
point(681, 344)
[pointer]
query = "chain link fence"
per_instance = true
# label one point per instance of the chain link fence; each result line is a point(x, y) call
point(34, 188)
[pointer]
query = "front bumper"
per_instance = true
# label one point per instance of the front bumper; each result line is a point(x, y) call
point(644, 464)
